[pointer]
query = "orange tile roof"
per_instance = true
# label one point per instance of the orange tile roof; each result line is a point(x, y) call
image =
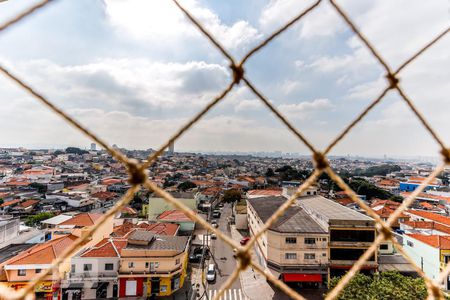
point(388, 203)
point(28, 203)
point(174, 215)
point(385, 212)
point(428, 225)
point(429, 196)
point(83, 220)
point(158, 228)
point(43, 253)
point(431, 216)
point(435, 241)
point(8, 203)
point(426, 205)
point(110, 181)
point(419, 179)
point(106, 248)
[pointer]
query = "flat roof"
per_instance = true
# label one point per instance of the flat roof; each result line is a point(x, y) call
point(330, 209)
point(56, 220)
point(295, 219)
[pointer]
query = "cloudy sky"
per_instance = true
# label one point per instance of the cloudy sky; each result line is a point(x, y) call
point(134, 70)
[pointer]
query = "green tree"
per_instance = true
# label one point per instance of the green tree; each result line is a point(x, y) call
point(36, 219)
point(363, 187)
point(270, 172)
point(42, 188)
point(187, 185)
point(381, 286)
point(232, 195)
point(75, 150)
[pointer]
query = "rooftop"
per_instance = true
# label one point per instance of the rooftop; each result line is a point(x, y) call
point(295, 219)
point(330, 209)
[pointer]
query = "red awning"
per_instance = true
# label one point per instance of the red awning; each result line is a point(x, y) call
point(296, 277)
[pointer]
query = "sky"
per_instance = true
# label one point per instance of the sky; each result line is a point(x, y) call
point(133, 71)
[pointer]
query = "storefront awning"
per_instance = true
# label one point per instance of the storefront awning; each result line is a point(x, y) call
point(76, 285)
point(99, 284)
point(296, 277)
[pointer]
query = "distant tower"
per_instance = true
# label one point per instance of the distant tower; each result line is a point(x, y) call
point(171, 150)
point(93, 147)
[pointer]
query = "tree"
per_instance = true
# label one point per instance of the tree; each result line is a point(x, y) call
point(36, 219)
point(363, 187)
point(58, 152)
point(42, 188)
point(75, 150)
point(187, 185)
point(380, 286)
point(232, 195)
point(270, 172)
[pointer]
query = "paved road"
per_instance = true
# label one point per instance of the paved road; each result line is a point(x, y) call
point(223, 257)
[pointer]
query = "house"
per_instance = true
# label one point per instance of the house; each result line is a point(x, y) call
point(24, 267)
point(294, 248)
point(152, 264)
point(157, 206)
point(93, 272)
point(177, 217)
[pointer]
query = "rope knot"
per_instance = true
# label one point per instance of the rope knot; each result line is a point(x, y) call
point(384, 230)
point(238, 73)
point(137, 173)
point(320, 161)
point(446, 154)
point(244, 259)
point(393, 81)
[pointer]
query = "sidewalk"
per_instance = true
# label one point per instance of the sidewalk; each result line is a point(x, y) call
point(253, 284)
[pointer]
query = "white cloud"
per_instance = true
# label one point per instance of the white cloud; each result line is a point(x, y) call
point(161, 21)
point(305, 109)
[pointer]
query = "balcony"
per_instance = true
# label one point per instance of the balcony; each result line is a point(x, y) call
point(174, 271)
point(350, 244)
point(349, 263)
point(91, 276)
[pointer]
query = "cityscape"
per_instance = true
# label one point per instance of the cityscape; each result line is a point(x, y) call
point(224, 150)
point(50, 197)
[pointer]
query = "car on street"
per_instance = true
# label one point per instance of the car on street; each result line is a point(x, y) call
point(214, 223)
point(216, 213)
point(211, 273)
point(220, 205)
point(245, 240)
point(196, 254)
point(213, 236)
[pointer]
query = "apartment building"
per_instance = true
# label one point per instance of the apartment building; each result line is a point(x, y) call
point(152, 264)
point(93, 272)
point(351, 233)
point(295, 248)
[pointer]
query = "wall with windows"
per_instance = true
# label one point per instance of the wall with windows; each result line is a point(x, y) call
point(297, 248)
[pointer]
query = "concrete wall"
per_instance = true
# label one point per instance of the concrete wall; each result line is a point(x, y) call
point(423, 255)
point(9, 229)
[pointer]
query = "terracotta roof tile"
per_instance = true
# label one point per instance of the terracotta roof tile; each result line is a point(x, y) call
point(106, 248)
point(174, 215)
point(436, 241)
point(431, 216)
point(83, 220)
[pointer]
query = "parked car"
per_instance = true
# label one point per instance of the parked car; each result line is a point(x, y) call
point(211, 273)
point(220, 204)
point(213, 236)
point(214, 223)
point(216, 214)
point(196, 254)
point(245, 240)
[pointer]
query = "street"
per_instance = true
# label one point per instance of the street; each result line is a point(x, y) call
point(222, 257)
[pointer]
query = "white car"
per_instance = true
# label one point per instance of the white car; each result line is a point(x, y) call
point(211, 273)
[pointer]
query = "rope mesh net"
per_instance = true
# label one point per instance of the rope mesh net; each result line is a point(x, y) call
point(138, 171)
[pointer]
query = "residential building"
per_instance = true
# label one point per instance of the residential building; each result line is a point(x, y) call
point(294, 248)
point(152, 264)
point(187, 225)
point(351, 233)
point(93, 273)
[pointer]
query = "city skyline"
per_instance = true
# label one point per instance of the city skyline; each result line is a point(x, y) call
point(148, 70)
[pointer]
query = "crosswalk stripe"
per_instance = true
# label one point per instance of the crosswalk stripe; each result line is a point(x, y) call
point(229, 294)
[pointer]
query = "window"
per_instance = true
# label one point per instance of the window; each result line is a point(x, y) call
point(87, 267)
point(177, 261)
point(72, 269)
point(384, 247)
point(109, 267)
point(147, 264)
point(21, 272)
point(310, 256)
point(409, 243)
point(324, 254)
point(38, 271)
point(324, 239)
point(310, 241)
point(291, 240)
point(290, 255)
point(131, 264)
point(163, 288)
